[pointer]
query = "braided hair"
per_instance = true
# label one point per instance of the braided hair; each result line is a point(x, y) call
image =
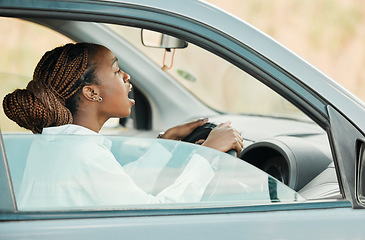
point(52, 97)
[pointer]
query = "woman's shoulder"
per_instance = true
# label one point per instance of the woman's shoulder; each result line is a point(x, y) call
point(68, 129)
point(75, 136)
point(70, 141)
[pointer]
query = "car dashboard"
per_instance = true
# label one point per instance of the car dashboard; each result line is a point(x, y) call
point(295, 152)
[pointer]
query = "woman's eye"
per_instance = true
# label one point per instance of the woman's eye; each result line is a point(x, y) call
point(119, 71)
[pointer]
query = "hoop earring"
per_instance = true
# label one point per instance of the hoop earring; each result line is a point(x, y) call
point(100, 99)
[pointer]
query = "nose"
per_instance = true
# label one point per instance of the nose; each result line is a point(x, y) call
point(126, 77)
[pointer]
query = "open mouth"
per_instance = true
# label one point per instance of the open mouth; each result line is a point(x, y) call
point(129, 93)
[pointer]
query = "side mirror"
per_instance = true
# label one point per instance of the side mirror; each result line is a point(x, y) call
point(159, 40)
point(360, 172)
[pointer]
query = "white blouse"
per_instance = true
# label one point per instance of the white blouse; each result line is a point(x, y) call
point(67, 173)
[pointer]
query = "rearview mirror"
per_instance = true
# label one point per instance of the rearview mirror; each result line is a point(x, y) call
point(159, 40)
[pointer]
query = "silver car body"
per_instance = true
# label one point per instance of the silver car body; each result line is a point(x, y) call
point(337, 111)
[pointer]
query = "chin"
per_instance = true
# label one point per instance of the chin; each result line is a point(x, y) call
point(125, 114)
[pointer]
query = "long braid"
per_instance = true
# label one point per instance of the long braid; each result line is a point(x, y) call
point(72, 74)
point(59, 75)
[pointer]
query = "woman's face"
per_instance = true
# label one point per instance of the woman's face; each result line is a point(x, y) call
point(114, 85)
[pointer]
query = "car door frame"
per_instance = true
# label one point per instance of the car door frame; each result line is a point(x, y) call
point(283, 81)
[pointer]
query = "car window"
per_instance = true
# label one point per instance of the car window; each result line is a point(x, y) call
point(275, 131)
point(296, 153)
point(216, 82)
point(47, 177)
point(22, 46)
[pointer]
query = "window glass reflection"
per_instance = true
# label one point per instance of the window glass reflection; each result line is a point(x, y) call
point(75, 172)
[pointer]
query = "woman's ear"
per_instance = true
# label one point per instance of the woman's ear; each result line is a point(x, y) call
point(91, 92)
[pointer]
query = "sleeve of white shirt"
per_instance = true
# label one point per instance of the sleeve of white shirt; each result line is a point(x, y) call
point(93, 178)
point(191, 184)
point(146, 170)
point(109, 184)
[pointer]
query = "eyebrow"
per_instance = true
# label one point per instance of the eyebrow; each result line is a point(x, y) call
point(114, 60)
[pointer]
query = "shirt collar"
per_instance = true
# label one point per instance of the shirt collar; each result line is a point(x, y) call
point(73, 129)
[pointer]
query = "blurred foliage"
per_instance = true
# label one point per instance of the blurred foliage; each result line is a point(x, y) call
point(330, 34)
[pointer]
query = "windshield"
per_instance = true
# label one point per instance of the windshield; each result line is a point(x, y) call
point(51, 172)
point(214, 81)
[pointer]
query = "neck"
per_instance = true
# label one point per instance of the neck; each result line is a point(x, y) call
point(89, 120)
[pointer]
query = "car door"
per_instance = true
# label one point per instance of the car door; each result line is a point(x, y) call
point(309, 90)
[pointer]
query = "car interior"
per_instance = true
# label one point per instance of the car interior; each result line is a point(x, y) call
point(176, 81)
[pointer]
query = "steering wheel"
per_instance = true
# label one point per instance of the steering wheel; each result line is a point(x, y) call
point(202, 132)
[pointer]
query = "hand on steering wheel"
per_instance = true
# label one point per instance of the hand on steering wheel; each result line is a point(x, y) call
point(183, 130)
point(224, 138)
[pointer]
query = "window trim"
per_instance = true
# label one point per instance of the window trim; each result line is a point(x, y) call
point(83, 214)
point(7, 196)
